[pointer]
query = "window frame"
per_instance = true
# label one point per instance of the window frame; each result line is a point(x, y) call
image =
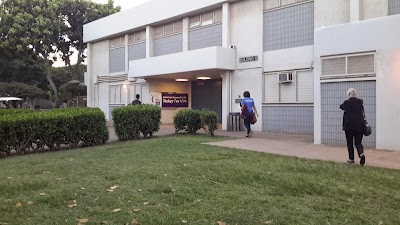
point(216, 18)
point(116, 42)
point(295, 82)
point(132, 37)
point(280, 5)
point(347, 74)
point(175, 29)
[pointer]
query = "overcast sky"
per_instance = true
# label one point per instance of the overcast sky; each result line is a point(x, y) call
point(125, 4)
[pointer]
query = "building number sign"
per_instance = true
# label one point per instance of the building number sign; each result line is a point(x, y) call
point(248, 59)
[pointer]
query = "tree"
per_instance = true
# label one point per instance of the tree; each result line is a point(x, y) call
point(34, 25)
point(22, 67)
point(20, 90)
point(48, 27)
point(69, 87)
point(76, 13)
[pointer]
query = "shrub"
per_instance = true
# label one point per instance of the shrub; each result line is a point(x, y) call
point(35, 131)
point(14, 111)
point(209, 121)
point(188, 120)
point(131, 120)
point(88, 125)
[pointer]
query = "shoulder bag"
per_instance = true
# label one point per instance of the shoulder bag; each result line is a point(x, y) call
point(367, 128)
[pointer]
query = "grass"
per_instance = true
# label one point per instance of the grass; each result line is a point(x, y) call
point(184, 180)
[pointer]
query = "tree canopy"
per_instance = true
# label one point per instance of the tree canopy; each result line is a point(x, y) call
point(75, 14)
point(43, 29)
point(20, 90)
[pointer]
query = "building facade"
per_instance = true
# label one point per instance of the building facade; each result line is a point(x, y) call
point(296, 57)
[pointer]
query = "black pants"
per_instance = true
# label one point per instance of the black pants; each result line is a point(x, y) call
point(355, 137)
point(247, 122)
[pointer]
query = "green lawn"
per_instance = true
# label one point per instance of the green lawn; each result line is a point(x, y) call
point(178, 180)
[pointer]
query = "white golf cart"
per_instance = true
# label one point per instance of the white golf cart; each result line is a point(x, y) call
point(6, 102)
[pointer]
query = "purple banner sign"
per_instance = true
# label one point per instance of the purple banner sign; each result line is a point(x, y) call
point(175, 100)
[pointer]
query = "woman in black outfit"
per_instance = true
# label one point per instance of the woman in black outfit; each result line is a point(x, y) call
point(353, 124)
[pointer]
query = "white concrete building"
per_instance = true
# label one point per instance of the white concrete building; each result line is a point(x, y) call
point(296, 57)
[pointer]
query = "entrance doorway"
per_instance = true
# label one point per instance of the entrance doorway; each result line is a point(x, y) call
point(207, 94)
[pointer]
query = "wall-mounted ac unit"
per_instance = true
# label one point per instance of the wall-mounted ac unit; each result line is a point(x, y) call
point(285, 77)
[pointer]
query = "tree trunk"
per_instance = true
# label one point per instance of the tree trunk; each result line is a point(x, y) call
point(75, 69)
point(52, 84)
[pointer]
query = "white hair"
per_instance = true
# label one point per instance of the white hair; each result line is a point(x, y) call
point(351, 93)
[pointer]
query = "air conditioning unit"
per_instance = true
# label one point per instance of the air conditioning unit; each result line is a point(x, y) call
point(285, 77)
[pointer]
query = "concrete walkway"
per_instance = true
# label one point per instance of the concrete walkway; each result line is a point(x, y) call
point(302, 146)
point(292, 145)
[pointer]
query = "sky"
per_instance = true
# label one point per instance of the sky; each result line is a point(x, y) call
point(125, 4)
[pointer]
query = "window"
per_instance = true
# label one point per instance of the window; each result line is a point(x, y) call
point(117, 94)
point(205, 19)
point(289, 27)
point(158, 31)
point(394, 7)
point(194, 21)
point(168, 29)
point(272, 4)
point(348, 65)
point(287, 2)
point(299, 90)
point(137, 37)
point(117, 42)
point(218, 16)
point(178, 27)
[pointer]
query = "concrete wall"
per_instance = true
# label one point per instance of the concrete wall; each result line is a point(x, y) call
point(246, 31)
point(373, 9)
point(99, 59)
point(247, 80)
point(196, 60)
point(246, 35)
point(288, 59)
point(103, 95)
point(380, 35)
point(328, 12)
point(156, 85)
point(97, 66)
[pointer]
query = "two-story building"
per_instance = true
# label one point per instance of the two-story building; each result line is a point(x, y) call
point(296, 57)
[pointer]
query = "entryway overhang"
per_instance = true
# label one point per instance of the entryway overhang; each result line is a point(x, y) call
point(188, 62)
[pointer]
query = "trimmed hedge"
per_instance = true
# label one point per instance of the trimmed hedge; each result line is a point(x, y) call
point(188, 120)
point(35, 131)
point(192, 120)
point(14, 111)
point(131, 120)
point(209, 121)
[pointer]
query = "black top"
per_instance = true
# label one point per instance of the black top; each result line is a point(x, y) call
point(353, 116)
point(136, 102)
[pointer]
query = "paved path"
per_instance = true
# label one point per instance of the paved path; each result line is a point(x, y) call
point(292, 145)
point(302, 146)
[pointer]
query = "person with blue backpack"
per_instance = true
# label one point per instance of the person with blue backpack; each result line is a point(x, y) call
point(249, 111)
